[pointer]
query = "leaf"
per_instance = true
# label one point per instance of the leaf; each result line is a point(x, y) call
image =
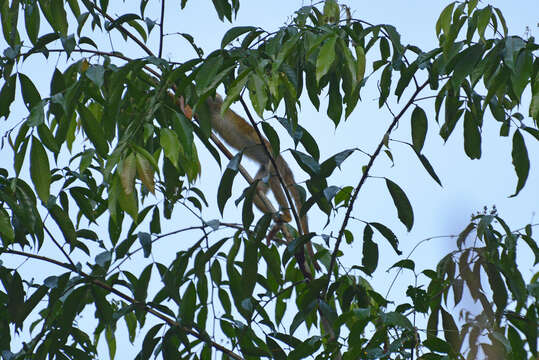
point(273, 138)
point(6, 230)
point(225, 186)
point(521, 161)
point(306, 162)
point(250, 266)
point(404, 208)
point(370, 251)
point(451, 332)
point(64, 223)
point(326, 57)
point(426, 164)
point(187, 308)
point(7, 95)
point(404, 264)
point(472, 137)
point(40, 170)
point(466, 62)
point(235, 32)
point(329, 165)
point(29, 91)
point(31, 21)
point(145, 172)
point(127, 170)
point(444, 21)
point(146, 243)
point(419, 128)
point(388, 234)
point(171, 145)
point(94, 131)
point(385, 85)
point(96, 73)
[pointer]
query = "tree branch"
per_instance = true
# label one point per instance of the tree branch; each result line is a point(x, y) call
point(362, 181)
point(127, 298)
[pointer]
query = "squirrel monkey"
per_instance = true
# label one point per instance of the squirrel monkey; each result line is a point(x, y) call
point(239, 134)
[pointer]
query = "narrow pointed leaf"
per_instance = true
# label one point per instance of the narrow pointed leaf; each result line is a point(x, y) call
point(404, 208)
point(40, 171)
point(521, 162)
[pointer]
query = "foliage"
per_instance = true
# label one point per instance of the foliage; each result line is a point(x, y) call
point(117, 117)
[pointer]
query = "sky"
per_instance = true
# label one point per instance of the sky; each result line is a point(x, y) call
point(468, 185)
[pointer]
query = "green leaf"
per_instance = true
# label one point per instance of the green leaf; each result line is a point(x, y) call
point(426, 164)
point(370, 251)
point(250, 266)
point(146, 243)
point(64, 223)
point(388, 234)
point(7, 95)
point(188, 304)
point(235, 32)
point(306, 162)
point(171, 145)
point(329, 165)
point(40, 171)
point(451, 332)
point(521, 162)
point(472, 137)
point(444, 21)
point(6, 230)
point(404, 264)
point(273, 138)
point(127, 169)
point(385, 84)
point(326, 57)
point(466, 62)
point(404, 208)
point(225, 186)
point(31, 21)
point(94, 131)
point(29, 91)
point(483, 20)
point(96, 73)
point(419, 128)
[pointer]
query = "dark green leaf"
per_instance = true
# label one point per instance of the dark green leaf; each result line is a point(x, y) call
point(405, 264)
point(187, 308)
point(7, 95)
point(370, 251)
point(419, 128)
point(40, 170)
point(30, 94)
point(94, 131)
point(426, 164)
point(273, 138)
point(404, 208)
point(250, 266)
point(146, 243)
point(521, 161)
point(472, 137)
point(451, 332)
point(225, 186)
point(388, 234)
point(235, 32)
point(64, 223)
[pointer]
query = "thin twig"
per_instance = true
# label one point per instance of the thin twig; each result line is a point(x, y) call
point(362, 181)
point(161, 26)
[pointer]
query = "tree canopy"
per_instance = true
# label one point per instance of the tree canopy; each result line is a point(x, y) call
point(105, 169)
